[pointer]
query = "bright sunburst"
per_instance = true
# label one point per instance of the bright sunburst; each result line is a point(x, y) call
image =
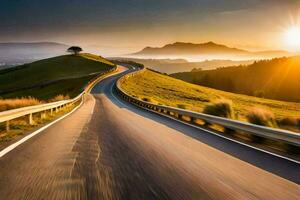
point(292, 37)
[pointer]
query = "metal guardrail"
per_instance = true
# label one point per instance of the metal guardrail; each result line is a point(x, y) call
point(260, 131)
point(95, 80)
point(7, 116)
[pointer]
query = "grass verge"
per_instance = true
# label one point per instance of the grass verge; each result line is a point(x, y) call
point(20, 127)
point(172, 92)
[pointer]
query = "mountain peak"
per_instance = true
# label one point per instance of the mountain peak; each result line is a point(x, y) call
point(211, 43)
point(207, 49)
point(191, 48)
point(192, 44)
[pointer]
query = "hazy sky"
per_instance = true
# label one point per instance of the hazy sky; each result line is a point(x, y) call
point(128, 25)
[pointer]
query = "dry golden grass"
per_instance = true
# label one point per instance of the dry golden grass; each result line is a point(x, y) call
point(20, 126)
point(169, 91)
point(261, 117)
point(60, 97)
point(220, 108)
point(8, 104)
point(96, 58)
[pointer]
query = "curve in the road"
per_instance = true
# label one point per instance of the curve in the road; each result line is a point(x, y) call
point(109, 149)
point(277, 164)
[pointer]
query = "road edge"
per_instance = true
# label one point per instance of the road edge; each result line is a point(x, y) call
point(11, 147)
point(24, 139)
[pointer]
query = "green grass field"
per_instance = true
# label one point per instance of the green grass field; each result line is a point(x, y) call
point(47, 78)
point(162, 89)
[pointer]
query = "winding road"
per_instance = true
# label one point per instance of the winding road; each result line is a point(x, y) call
point(108, 149)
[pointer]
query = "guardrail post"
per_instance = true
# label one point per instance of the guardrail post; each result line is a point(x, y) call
point(256, 139)
point(193, 120)
point(7, 126)
point(291, 148)
point(30, 120)
point(51, 111)
point(207, 124)
point(229, 131)
point(236, 129)
point(43, 114)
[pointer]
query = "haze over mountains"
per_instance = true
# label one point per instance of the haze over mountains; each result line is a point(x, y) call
point(181, 65)
point(19, 53)
point(171, 58)
point(204, 51)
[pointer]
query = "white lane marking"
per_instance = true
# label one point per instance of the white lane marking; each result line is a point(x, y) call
point(16, 144)
point(13, 146)
point(99, 151)
point(116, 98)
point(241, 143)
point(211, 132)
point(208, 131)
point(74, 161)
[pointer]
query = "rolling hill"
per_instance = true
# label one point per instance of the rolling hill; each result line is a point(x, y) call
point(209, 50)
point(44, 79)
point(275, 79)
point(162, 89)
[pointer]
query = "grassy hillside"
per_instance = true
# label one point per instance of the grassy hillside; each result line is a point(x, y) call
point(47, 78)
point(275, 79)
point(162, 89)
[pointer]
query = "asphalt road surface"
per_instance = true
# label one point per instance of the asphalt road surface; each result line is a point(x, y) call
point(108, 149)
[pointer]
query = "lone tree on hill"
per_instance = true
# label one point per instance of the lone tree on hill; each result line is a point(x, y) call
point(74, 50)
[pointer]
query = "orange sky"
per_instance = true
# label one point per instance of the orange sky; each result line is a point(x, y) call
point(123, 26)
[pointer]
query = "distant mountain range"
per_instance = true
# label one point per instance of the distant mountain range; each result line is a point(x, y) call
point(18, 53)
point(180, 65)
point(204, 49)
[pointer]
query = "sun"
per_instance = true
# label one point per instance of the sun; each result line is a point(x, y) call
point(292, 37)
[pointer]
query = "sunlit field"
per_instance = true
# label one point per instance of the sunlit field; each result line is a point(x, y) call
point(273, 79)
point(167, 100)
point(165, 90)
